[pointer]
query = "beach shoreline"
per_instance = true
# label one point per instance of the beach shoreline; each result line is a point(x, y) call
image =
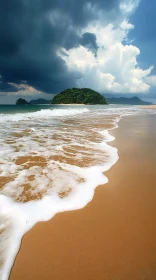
point(114, 235)
point(148, 106)
point(71, 104)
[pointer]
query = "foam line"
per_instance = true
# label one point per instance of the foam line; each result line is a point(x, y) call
point(80, 138)
point(42, 114)
point(23, 216)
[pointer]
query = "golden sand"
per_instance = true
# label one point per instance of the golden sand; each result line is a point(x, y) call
point(148, 107)
point(30, 161)
point(114, 236)
point(70, 104)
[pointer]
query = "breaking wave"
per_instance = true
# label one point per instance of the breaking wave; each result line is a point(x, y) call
point(42, 114)
point(51, 161)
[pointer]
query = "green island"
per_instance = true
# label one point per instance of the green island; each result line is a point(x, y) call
point(22, 101)
point(79, 96)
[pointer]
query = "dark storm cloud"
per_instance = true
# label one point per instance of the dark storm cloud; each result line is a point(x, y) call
point(88, 40)
point(5, 87)
point(31, 31)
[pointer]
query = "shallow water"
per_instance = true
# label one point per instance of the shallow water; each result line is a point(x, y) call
point(51, 160)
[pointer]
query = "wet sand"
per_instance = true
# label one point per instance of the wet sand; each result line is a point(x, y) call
point(148, 107)
point(114, 236)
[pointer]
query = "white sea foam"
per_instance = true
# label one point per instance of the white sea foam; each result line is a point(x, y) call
point(42, 114)
point(68, 157)
point(22, 216)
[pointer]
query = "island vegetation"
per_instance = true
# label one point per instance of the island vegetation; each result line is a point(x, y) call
point(83, 96)
point(79, 96)
point(22, 101)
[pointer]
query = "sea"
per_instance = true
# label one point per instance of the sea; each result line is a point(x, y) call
point(52, 157)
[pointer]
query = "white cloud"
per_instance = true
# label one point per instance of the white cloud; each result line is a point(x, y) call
point(151, 80)
point(24, 89)
point(115, 67)
point(126, 25)
point(129, 6)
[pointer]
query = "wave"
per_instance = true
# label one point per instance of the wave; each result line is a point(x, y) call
point(42, 114)
point(18, 217)
point(67, 157)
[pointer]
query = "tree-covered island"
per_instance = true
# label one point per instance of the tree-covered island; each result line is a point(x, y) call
point(79, 96)
point(22, 101)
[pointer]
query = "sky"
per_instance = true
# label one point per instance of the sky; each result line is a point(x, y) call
point(50, 45)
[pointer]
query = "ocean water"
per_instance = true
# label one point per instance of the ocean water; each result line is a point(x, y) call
point(51, 160)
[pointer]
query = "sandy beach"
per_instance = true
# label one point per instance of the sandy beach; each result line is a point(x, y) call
point(114, 236)
point(148, 106)
point(71, 104)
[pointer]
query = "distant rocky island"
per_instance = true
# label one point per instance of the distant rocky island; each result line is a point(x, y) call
point(127, 101)
point(40, 101)
point(83, 96)
point(22, 101)
point(79, 96)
